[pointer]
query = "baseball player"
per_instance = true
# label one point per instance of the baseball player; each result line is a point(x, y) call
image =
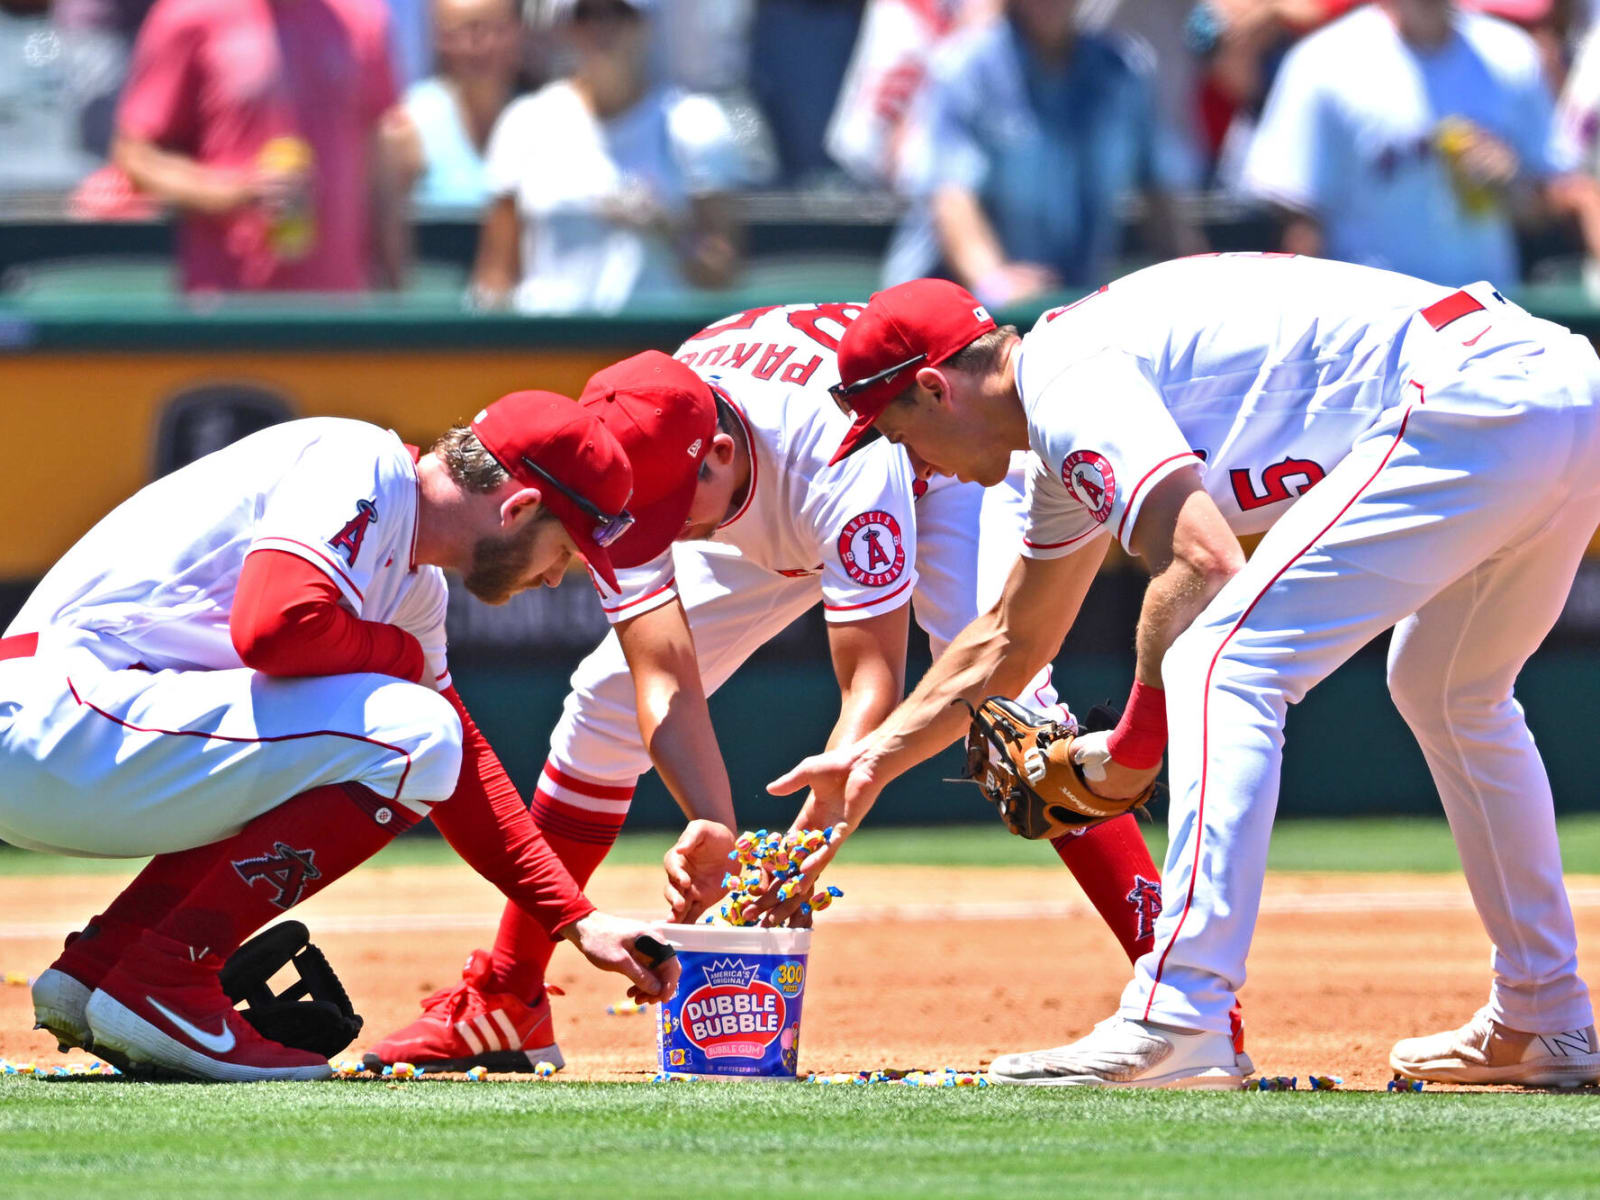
point(242, 671)
point(1418, 457)
point(786, 531)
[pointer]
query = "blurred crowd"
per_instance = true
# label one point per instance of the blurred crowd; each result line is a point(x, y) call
point(606, 148)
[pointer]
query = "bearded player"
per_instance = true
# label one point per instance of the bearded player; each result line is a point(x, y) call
point(242, 671)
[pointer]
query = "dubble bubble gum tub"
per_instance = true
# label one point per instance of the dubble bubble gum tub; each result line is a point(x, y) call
point(736, 1014)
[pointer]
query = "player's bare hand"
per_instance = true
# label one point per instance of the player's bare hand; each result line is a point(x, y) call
point(695, 866)
point(1108, 777)
point(770, 909)
point(844, 783)
point(609, 943)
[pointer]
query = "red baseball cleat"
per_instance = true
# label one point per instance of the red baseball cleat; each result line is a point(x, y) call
point(61, 992)
point(163, 1008)
point(467, 1026)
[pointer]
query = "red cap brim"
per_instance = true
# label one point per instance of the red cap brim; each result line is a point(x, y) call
point(861, 434)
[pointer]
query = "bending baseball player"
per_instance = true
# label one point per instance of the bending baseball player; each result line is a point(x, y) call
point(242, 671)
point(1420, 458)
point(787, 531)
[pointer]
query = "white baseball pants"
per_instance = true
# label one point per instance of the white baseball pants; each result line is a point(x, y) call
point(1460, 519)
point(101, 759)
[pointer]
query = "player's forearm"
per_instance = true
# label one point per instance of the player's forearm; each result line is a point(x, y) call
point(179, 180)
point(677, 732)
point(986, 659)
point(1173, 600)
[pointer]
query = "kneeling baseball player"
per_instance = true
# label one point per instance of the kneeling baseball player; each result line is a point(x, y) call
point(786, 530)
point(242, 671)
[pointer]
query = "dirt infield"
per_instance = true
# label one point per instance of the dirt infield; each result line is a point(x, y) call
point(916, 967)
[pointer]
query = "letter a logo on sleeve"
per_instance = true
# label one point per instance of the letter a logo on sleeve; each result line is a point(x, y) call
point(1091, 482)
point(871, 550)
point(348, 540)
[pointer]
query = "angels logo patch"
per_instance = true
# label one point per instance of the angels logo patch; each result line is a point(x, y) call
point(1091, 481)
point(871, 550)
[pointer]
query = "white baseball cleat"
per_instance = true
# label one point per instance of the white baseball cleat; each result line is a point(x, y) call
point(1126, 1053)
point(59, 1001)
point(1485, 1051)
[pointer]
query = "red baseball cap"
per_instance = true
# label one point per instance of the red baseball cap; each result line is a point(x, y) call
point(664, 417)
point(546, 441)
point(911, 325)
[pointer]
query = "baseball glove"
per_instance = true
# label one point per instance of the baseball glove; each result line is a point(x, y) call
point(1022, 762)
point(313, 1013)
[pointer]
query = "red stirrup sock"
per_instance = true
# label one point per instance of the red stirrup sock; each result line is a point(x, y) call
point(581, 838)
point(154, 893)
point(279, 859)
point(1113, 866)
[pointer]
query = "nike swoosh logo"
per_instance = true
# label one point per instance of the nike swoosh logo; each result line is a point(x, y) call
point(1474, 341)
point(217, 1043)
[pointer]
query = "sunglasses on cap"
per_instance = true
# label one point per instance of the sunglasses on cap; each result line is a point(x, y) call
point(841, 392)
point(608, 527)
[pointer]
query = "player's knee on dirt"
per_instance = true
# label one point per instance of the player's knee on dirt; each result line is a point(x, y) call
point(424, 724)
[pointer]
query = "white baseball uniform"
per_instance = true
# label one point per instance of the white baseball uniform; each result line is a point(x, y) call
point(853, 536)
point(1420, 458)
point(135, 729)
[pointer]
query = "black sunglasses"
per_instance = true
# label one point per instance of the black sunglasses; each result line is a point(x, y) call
point(608, 527)
point(841, 392)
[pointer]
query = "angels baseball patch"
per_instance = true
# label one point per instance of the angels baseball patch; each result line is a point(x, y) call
point(1091, 481)
point(871, 549)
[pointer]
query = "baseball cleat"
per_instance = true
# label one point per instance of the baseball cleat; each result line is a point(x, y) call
point(468, 1026)
point(163, 1009)
point(1485, 1051)
point(59, 1001)
point(1125, 1053)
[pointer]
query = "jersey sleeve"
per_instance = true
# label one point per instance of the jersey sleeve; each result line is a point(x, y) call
point(344, 509)
point(1294, 155)
point(865, 525)
point(422, 615)
point(158, 101)
point(1095, 467)
point(509, 149)
point(704, 146)
point(647, 586)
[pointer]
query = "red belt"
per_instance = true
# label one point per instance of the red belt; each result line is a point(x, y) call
point(1452, 308)
point(24, 645)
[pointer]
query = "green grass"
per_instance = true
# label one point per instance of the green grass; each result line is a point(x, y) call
point(691, 1140)
point(1353, 844)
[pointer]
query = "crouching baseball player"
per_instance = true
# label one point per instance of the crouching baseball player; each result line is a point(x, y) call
point(787, 531)
point(1418, 457)
point(242, 671)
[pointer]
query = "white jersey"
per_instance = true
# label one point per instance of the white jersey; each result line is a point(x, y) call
point(1263, 370)
point(1350, 133)
point(158, 573)
point(852, 525)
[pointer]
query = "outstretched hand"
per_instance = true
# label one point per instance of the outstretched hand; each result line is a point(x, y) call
point(695, 867)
